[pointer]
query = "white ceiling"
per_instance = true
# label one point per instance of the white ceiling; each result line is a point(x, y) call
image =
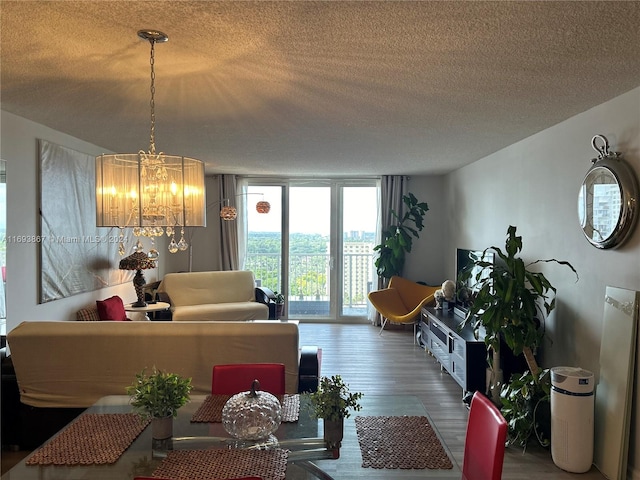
point(303, 88)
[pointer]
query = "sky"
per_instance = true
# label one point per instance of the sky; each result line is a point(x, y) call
point(310, 209)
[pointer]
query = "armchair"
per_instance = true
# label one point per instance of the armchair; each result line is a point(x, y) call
point(401, 302)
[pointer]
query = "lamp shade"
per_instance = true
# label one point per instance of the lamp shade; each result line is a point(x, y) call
point(263, 206)
point(137, 261)
point(148, 190)
point(228, 213)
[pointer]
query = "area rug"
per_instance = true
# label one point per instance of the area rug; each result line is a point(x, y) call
point(400, 442)
point(224, 463)
point(94, 438)
point(211, 409)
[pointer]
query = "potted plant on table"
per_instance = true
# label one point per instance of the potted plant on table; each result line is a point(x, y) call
point(511, 302)
point(396, 239)
point(279, 299)
point(332, 402)
point(158, 396)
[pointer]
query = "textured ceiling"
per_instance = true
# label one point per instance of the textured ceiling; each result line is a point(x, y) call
point(316, 88)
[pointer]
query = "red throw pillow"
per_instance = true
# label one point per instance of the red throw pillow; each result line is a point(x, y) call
point(111, 309)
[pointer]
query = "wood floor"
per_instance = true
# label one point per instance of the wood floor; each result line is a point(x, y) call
point(391, 363)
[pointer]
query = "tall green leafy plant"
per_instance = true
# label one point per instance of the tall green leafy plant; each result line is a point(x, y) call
point(511, 303)
point(397, 239)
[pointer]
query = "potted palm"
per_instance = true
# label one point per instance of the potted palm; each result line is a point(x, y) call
point(158, 396)
point(510, 302)
point(332, 402)
point(396, 239)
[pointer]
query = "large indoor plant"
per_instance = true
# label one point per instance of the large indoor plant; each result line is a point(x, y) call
point(511, 303)
point(397, 237)
point(158, 396)
point(332, 402)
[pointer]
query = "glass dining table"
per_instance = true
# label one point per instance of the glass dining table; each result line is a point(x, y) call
point(302, 439)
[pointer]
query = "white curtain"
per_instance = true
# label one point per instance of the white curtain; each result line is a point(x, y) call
point(242, 188)
point(392, 189)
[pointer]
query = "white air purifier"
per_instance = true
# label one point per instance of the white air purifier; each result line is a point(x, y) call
point(572, 412)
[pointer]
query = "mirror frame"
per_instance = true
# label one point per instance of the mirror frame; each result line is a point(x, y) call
point(627, 184)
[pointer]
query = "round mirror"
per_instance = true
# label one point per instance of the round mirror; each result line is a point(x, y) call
point(607, 201)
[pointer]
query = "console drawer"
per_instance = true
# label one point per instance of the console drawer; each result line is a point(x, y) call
point(439, 350)
point(458, 347)
point(438, 332)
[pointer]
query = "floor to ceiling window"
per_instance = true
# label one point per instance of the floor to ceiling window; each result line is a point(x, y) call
point(316, 245)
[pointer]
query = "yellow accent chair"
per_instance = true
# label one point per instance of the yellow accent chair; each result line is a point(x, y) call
point(401, 302)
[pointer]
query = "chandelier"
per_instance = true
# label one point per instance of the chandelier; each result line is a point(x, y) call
point(152, 193)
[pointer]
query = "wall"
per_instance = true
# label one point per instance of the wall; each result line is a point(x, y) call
point(203, 255)
point(18, 146)
point(427, 260)
point(533, 185)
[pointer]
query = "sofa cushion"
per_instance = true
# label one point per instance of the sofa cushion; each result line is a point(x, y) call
point(111, 308)
point(88, 315)
point(230, 311)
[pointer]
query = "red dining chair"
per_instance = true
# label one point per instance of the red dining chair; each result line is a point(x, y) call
point(238, 377)
point(485, 441)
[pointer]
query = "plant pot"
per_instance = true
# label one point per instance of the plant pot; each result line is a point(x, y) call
point(279, 310)
point(162, 428)
point(333, 433)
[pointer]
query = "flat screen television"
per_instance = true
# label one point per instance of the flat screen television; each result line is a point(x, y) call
point(466, 272)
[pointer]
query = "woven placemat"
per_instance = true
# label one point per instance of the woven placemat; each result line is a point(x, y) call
point(400, 442)
point(211, 409)
point(93, 438)
point(223, 463)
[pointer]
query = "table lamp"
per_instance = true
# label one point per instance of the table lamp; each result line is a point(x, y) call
point(138, 261)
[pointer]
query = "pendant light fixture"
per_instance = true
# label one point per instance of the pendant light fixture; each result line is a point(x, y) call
point(151, 192)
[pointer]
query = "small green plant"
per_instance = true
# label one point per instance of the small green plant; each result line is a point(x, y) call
point(526, 406)
point(332, 400)
point(396, 239)
point(159, 394)
point(279, 298)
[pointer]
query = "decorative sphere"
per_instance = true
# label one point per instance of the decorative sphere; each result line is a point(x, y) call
point(252, 415)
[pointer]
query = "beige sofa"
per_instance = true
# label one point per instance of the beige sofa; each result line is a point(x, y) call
point(73, 364)
point(202, 296)
point(62, 367)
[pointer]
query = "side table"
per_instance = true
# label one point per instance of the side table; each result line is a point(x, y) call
point(151, 307)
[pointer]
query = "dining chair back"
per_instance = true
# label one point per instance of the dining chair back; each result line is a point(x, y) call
point(238, 377)
point(485, 441)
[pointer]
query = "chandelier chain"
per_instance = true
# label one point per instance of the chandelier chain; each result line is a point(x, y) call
point(152, 135)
